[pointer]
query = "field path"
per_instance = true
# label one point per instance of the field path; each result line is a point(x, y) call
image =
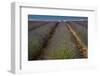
point(79, 43)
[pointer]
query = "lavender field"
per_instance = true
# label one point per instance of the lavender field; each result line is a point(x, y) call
point(57, 39)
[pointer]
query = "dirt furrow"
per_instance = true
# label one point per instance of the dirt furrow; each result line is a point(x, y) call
point(79, 43)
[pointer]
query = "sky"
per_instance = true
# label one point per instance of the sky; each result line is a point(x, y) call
point(55, 18)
